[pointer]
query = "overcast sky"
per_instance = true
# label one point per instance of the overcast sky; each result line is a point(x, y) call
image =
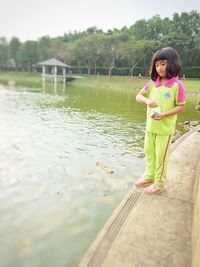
point(31, 19)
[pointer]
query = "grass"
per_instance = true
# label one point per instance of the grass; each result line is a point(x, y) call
point(29, 80)
point(115, 83)
point(20, 76)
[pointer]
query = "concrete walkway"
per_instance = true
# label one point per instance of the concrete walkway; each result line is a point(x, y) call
point(154, 231)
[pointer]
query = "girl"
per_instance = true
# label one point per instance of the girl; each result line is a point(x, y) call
point(164, 96)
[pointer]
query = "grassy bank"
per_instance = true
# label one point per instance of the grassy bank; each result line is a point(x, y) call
point(20, 77)
point(116, 82)
point(35, 79)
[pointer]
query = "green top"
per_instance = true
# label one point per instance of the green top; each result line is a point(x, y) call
point(167, 96)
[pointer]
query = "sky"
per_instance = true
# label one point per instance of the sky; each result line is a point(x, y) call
point(32, 19)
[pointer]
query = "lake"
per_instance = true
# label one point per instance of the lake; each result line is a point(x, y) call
point(68, 154)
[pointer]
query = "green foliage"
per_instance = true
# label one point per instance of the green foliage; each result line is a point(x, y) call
point(186, 23)
point(43, 45)
point(193, 72)
point(197, 41)
point(14, 47)
point(122, 71)
point(4, 52)
point(27, 55)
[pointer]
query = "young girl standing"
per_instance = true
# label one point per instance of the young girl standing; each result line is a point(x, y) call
point(164, 96)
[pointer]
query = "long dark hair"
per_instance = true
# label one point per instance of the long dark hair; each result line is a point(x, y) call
point(173, 62)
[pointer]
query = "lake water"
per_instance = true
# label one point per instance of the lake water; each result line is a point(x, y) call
point(68, 156)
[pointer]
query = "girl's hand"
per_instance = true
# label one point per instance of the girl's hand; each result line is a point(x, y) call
point(160, 116)
point(151, 103)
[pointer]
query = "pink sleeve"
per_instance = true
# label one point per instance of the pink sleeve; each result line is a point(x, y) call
point(181, 94)
point(146, 87)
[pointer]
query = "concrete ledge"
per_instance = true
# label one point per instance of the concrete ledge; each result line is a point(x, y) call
point(196, 223)
point(159, 230)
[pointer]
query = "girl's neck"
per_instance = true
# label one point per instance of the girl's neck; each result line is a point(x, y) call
point(163, 80)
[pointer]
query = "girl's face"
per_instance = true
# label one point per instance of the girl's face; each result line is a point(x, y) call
point(161, 68)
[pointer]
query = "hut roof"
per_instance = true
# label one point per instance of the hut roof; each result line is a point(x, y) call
point(53, 62)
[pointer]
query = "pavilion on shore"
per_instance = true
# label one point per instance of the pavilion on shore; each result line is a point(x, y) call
point(53, 68)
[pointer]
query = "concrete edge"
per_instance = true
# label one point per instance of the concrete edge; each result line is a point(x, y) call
point(101, 245)
point(196, 220)
point(181, 139)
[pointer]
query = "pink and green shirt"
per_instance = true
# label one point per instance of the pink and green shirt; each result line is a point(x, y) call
point(167, 96)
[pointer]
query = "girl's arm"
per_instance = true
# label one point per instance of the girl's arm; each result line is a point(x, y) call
point(141, 98)
point(170, 112)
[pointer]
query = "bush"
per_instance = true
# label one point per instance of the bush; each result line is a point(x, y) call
point(193, 72)
point(122, 71)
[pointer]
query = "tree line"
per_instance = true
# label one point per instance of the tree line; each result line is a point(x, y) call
point(125, 51)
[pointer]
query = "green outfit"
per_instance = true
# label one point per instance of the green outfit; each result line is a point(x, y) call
point(157, 152)
point(159, 132)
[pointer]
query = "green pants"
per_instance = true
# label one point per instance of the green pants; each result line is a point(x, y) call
point(156, 154)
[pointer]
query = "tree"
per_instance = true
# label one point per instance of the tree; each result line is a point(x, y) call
point(43, 46)
point(155, 28)
point(62, 52)
point(166, 26)
point(132, 53)
point(86, 51)
point(27, 55)
point(14, 47)
point(4, 52)
point(180, 42)
point(93, 30)
point(140, 30)
point(186, 23)
point(109, 51)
